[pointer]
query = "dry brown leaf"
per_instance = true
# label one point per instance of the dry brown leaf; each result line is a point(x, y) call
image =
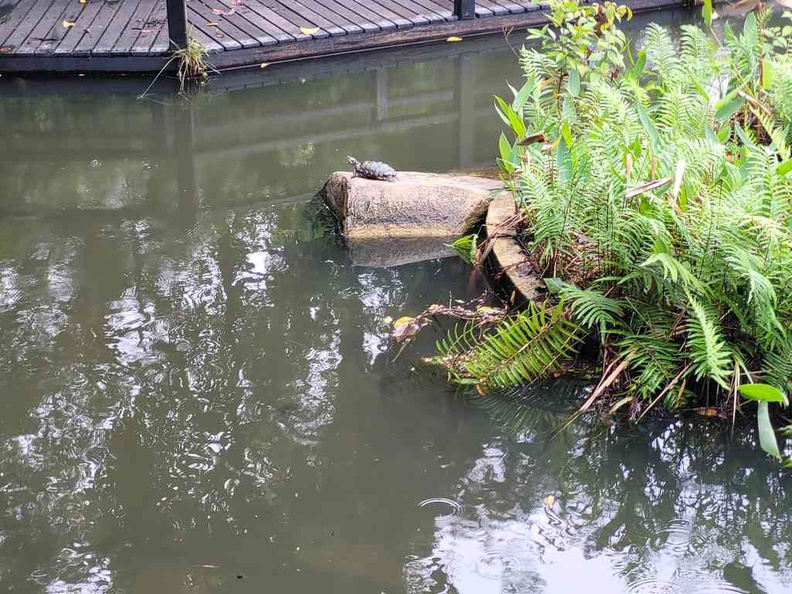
point(6, 49)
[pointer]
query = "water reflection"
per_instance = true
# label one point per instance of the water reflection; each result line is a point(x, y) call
point(669, 507)
point(198, 393)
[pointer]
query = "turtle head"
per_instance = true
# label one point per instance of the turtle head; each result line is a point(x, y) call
point(352, 161)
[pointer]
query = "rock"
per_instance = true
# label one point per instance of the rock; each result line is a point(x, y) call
point(508, 259)
point(413, 205)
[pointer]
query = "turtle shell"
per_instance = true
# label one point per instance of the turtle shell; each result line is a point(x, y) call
point(375, 170)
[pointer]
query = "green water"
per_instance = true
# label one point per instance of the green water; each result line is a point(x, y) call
point(197, 391)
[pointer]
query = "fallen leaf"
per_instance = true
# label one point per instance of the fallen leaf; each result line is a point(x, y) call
point(452, 39)
point(6, 49)
point(67, 24)
point(309, 30)
point(212, 24)
point(549, 500)
point(402, 321)
point(707, 412)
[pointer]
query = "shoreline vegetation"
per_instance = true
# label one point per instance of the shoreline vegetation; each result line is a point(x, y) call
point(653, 196)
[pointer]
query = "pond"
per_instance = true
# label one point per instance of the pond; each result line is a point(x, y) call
point(199, 393)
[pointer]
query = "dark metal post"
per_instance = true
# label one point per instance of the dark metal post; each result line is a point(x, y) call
point(465, 9)
point(177, 23)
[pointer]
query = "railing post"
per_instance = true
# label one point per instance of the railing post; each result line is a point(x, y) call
point(177, 23)
point(465, 9)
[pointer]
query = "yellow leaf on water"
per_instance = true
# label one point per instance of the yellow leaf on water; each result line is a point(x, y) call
point(309, 30)
point(451, 39)
point(402, 321)
point(549, 500)
point(67, 24)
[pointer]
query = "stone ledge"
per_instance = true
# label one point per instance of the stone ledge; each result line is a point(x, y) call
point(507, 256)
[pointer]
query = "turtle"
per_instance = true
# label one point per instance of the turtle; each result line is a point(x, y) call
point(371, 170)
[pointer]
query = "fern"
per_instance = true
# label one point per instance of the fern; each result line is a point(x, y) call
point(710, 356)
point(532, 344)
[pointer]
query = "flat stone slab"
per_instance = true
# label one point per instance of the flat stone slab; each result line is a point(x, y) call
point(507, 255)
point(413, 205)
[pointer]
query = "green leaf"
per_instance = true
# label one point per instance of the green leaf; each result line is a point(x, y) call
point(512, 118)
point(553, 284)
point(767, 437)
point(706, 12)
point(636, 70)
point(505, 148)
point(574, 82)
point(784, 168)
point(564, 160)
point(763, 393)
point(750, 30)
point(767, 73)
point(728, 106)
point(521, 97)
point(651, 131)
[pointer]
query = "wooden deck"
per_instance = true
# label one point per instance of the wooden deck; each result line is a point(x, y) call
point(132, 35)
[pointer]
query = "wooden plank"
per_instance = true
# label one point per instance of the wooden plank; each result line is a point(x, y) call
point(154, 26)
point(412, 11)
point(92, 34)
point(104, 45)
point(491, 7)
point(249, 13)
point(296, 20)
point(75, 34)
point(27, 26)
point(344, 9)
point(200, 18)
point(322, 10)
point(444, 8)
point(13, 19)
point(58, 14)
point(512, 7)
point(311, 12)
point(434, 11)
point(209, 43)
point(255, 36)
point(369, 14)
point(161, 43)
point(379, 8)
point(134, 26)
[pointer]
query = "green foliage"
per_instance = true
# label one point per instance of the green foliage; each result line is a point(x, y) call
point(529, 345)
point(465, 247)
point(661, 195)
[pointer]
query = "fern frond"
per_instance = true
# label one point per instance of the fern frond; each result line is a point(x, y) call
point(709, 354)
point(532, 344)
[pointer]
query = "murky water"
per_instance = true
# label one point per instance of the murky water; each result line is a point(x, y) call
point(197, 391)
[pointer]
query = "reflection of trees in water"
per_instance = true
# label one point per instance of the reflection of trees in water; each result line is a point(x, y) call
point(173, 379)
point(669, 504)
